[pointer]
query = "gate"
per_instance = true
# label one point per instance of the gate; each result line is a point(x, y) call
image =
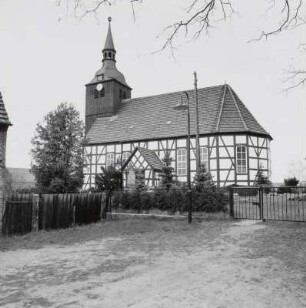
point(268, 203)
point(17, 217)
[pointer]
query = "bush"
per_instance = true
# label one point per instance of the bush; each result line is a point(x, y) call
point(174, 200)
point(211, 200)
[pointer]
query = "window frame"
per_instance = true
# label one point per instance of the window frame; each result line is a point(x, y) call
point(110, 162)
point(181, 162)
point(202, 157)
point(240, 167)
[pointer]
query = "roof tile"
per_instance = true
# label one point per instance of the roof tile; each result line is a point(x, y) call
point(148, 117)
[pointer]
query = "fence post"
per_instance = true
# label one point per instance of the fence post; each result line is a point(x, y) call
point(261, 204)
point(35, 207)
point(104, 201)
point(231, 202)
point(73, 213)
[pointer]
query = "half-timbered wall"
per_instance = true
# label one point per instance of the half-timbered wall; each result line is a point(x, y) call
point(223, 159)
point(151, 178)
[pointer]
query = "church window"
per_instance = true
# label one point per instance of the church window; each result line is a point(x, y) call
point(110, 159)
point(181, 162)
point(241, 159)
point(204, 157)
point(125, 156)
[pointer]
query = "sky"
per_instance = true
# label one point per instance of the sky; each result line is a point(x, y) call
point(47, 56)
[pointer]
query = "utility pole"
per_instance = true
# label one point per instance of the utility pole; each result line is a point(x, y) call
point(197, 123)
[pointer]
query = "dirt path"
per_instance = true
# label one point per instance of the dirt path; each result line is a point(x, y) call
point(145, 270)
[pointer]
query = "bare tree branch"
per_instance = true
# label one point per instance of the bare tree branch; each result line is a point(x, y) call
point(291, 18)
point(201, 17)
point(297, 77)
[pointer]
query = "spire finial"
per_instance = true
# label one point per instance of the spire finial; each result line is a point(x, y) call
point(109, 19)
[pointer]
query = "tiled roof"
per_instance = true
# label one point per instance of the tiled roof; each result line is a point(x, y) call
point(3, 114)
point(21, 178)
point(153, 117)
point(152, 159)
point(150, 156)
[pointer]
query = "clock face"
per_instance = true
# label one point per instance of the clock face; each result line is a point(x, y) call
point(99, 86)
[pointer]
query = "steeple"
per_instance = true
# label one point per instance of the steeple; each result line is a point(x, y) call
point(109, 70)
point(108, 88)
point(109, 44)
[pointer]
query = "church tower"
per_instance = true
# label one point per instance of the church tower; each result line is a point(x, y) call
point(108, 87)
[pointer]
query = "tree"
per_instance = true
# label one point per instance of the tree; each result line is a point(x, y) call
point(261, 179)
point(109, 180)
point(203, 179)
point(291, 181)
point(200, 16)
point(167, 172)
point(57, 155)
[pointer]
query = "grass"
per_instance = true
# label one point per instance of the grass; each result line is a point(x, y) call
point(118, 227)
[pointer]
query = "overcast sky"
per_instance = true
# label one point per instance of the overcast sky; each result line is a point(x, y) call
point(44, 62)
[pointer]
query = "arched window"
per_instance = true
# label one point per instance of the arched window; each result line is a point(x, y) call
point(181, 162)
point(110, 159)
point(241, 159)
point(204, 157)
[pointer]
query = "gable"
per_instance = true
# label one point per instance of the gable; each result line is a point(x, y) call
point(143, 159)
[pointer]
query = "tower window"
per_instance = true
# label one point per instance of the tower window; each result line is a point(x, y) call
point(100, 77)
point(98, 94)
point(109, 54)
point(124, 95)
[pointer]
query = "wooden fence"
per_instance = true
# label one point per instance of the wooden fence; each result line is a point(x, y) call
point(24, 213)
point(17, 217)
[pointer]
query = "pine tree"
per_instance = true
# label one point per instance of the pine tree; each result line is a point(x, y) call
point(261, 179)
point(167, 172)
point(203, 179)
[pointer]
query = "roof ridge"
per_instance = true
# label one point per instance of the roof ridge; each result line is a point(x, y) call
point(169, 93)
point(238, 109)
point(221, 108)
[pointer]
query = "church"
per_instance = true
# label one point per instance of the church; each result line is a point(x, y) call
point(134, 134)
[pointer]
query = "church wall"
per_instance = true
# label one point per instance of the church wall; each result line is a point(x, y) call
point(221, 150)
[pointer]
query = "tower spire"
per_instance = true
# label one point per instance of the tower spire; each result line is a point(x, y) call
point(109, 48)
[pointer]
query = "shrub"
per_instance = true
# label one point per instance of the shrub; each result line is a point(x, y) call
point(208, 200)
point(211, 200)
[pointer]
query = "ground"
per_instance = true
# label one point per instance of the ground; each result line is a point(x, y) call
point(157, 263)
